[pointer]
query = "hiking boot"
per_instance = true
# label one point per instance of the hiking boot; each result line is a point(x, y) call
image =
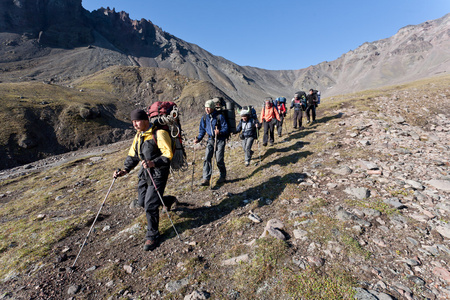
point(150, 244)
point(205, 182)
point(170, 202)
point(221, 180)
point(265, 144)
point(307, 122)
point(246, 163)
point(271, 144)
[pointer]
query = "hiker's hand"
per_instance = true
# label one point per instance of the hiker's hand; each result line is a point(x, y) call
point(119, 173)
point(196, 141)
point(216, 132)
point(148, 164)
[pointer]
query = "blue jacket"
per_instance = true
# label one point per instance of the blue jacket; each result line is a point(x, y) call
point(208, 123)
point(248, 128)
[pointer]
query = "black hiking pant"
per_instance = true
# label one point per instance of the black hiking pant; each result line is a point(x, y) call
point(298, 115)
point(311, 109)
point(269, 128)
point(149, 199)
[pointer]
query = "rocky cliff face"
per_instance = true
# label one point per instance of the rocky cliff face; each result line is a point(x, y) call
point(53, 22)
point(94, 41)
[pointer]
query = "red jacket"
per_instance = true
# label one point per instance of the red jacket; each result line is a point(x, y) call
point(281, 108)
point(267, 114)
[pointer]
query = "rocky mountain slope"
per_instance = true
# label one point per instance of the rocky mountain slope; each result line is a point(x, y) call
point(45, 119)
point(354, 205)
point(60, 41)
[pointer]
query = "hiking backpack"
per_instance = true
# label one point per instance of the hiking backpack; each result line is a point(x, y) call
point(317, 93)
point(302, 96)
point(251, 111)
point(166, 114)
point(226, 109)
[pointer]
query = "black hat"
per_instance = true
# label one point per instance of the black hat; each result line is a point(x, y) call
point(139, 114)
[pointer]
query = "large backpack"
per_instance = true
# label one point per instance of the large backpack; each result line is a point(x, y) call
point(317, 93)
point(166, 118)
point(302, 96)
point(251, 111)
point(226, 109)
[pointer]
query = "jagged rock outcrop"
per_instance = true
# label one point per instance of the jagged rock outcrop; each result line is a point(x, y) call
point(52, 22)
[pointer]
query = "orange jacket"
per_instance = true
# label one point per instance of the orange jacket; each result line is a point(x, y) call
point(267, 114)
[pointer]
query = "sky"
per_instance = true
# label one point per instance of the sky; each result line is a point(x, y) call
point(279, 34)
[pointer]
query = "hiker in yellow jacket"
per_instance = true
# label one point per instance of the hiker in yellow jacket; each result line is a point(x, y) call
point(151, 148)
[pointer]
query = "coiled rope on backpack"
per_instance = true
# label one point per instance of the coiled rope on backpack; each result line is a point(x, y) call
point(178, 162)
point(171, 120)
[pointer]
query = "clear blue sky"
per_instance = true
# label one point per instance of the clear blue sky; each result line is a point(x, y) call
point(279, 34)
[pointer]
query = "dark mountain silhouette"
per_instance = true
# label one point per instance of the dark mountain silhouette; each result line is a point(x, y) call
point(59, 41)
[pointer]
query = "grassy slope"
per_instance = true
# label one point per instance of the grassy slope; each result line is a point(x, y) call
point(64, 193)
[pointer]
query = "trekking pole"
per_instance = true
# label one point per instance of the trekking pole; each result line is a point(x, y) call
point(212, 160)
point(193, 171)
point(259, 145)
point(92, 226)
point(160, 198)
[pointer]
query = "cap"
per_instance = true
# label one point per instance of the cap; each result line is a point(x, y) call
point(210, 104)
point(139, 114)
point(244, 112)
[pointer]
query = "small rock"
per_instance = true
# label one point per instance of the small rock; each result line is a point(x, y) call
point(40, 217)
point(174, 286)
point(235, 260)
point(398, 119)
point(374, 172)
point(128, 269)
point(73, 289)
point(275, 232)
point(417, 281)
point(110, 283)
point(442, 274)
point(315, 261)
point(444, 231)
point(254, 217)
point(367, 165)
point(394, 202)
point(197, 295)
point(443, 185)
point(412, 262)
point(360, 192)
point(342, 171)
point(362, 294)
point(300, 234)
point(91, 269)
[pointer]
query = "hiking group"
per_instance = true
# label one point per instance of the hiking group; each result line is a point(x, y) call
point(157, 146)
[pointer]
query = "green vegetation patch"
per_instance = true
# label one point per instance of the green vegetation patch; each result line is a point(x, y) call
point(268, 255)
point(317, 284)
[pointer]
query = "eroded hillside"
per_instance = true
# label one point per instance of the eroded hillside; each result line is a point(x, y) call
point(43, 119)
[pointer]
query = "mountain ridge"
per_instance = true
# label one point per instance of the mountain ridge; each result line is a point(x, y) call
point(414, 52)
